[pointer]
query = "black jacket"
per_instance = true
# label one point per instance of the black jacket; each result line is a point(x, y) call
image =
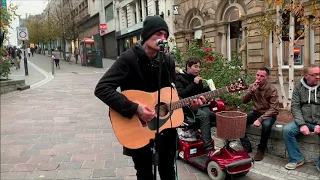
point(187, 87)
point(132, 71)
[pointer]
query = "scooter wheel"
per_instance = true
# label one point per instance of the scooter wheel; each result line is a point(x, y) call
point(215, 172)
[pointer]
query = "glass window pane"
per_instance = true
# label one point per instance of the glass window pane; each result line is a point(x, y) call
point(298, 53)
point(234, 14)
point(195, 23)
point(109, 12)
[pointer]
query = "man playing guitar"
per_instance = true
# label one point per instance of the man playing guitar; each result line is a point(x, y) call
point(137, 69)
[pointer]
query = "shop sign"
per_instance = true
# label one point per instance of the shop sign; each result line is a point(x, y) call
point(176, 9)
point(103, 29)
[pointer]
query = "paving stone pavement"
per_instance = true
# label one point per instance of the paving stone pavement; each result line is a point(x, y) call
point(61, 131)
point(44, 62)
point(19, 74)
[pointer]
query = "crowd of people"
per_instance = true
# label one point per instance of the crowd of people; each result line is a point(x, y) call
point(15, 56)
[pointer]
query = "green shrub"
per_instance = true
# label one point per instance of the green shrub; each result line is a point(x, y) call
point(5, 64)
point(221, 71)
point(5, 68)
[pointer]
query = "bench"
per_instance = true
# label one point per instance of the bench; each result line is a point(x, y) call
point(308, 145)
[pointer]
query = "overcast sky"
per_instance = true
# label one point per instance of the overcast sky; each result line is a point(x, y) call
point(30, 7)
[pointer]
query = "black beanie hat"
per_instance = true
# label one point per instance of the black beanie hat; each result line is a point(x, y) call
point(151, 25)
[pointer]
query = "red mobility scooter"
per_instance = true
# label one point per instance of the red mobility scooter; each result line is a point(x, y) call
point(226, 161)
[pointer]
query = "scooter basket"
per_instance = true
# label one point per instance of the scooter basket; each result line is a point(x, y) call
point(231, 124)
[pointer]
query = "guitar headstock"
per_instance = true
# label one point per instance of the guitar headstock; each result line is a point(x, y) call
point(240, 85)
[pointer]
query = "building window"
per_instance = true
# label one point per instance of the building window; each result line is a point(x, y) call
point(140, 11)
point(234, 35)
point(126, 16)
point(135, 17)
point(234, 14)
point(271, 49)
point(118, 21)
point(195, 23)
point(312, 43)
point(157, 6)
point(298, 53)
point(146, 3)
point(299, 28)
point(299, 46)
point(109, 12)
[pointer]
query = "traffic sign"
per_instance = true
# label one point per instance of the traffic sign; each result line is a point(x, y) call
point(22, 33)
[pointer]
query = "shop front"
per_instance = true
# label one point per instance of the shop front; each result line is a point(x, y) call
point(90, 29)
point(128, 37)
point(109, 43)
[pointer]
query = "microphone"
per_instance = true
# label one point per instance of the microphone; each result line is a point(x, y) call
point(161, 42)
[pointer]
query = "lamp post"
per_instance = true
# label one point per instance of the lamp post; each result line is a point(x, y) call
point(25, 60)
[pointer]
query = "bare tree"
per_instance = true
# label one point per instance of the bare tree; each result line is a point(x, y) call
point(59, 17)
point(294, 10)
point(66, 22)
point(72, 31)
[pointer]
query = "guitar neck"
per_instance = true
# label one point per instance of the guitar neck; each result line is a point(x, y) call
point(208, 95)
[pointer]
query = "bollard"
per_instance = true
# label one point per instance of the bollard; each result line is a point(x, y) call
point(25, 63)
point(52, 66)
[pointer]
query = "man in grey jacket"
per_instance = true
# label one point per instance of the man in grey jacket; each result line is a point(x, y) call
point(305, 108)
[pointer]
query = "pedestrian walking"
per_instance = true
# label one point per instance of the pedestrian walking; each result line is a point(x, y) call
point(29, 51)
point(76, 54)
point(32, 51)
point(16, 57)
point(56, 55)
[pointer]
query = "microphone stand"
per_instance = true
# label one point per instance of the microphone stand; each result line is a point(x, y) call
point(155, 142)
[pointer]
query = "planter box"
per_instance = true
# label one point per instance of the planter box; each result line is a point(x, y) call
point(12, 85)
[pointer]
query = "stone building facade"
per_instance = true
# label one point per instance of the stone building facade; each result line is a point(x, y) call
point(129, 16)
point(226, 25)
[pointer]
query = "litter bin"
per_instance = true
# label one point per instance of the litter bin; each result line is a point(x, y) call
point(97, 59)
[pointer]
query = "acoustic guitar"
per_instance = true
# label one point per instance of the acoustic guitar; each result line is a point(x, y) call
point(134, 133)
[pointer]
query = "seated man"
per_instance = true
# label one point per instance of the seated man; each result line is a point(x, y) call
point(305, 108)
point(188, 84)
point(265, 109)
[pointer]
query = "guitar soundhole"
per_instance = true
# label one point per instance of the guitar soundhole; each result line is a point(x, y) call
point(164, 110)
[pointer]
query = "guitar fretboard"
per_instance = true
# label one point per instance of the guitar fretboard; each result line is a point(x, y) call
point(208, 95)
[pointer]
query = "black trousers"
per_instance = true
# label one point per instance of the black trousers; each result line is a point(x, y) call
point(56, 61)
point(143, 158)
point(203, 122)
point(265, 131)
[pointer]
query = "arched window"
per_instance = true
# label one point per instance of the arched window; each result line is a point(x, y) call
point(234, 14)
point(234, 35)
point(195, 23)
